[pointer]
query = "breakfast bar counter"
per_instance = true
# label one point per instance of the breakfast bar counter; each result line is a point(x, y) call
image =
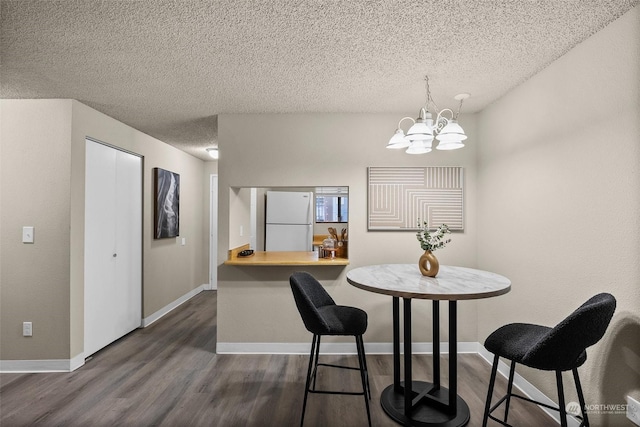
point(284, 258)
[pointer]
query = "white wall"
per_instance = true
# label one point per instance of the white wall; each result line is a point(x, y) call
point(559, 204)
point(308, 150)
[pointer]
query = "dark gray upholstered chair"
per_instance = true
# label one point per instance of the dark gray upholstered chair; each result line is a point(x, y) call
point(558, 349)
point(321, 316)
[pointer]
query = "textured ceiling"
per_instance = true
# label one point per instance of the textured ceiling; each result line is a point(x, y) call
point(168, 68)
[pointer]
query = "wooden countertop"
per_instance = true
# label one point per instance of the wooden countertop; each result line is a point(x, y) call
point(284, 258)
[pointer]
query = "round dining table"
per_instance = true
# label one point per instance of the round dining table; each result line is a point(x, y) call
point(422, 403)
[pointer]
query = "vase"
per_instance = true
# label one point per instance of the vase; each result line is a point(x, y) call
point(428, 264)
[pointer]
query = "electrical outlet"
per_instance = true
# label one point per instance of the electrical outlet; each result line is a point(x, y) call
point(27, 329)
point(633, 410)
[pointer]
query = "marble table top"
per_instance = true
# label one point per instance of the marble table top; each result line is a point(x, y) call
point(451, 283)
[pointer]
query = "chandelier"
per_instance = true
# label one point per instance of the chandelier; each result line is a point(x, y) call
point(419, 137)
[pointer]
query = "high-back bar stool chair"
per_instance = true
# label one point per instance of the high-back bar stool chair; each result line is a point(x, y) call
point(558, 349)
point(321, 316)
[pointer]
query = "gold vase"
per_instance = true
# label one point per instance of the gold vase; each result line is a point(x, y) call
point(429, 264)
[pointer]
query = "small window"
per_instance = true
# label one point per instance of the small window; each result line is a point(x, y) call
point(332, 206)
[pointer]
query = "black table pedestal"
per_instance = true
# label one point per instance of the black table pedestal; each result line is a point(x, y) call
point(425, 404)
point(423, 415)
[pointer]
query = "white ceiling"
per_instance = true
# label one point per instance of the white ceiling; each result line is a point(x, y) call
point(169, 67)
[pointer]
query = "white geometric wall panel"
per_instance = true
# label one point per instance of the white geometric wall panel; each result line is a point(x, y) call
point(400, 196)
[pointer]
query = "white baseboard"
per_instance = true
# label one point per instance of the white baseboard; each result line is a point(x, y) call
point(33, 366)
point(171, 306)
point(334, 348)
point(527, 388)
point(210, 287)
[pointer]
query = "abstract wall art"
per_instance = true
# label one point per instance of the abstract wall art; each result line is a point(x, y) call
point(167, 203)
point(400, 196)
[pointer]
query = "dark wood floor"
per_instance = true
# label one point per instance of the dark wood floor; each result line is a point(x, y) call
point(169, 375)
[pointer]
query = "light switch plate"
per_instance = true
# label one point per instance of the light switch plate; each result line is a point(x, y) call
point(27, 234)
point(27, 329)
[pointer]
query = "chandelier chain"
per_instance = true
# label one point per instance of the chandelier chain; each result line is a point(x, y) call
point(429, 99)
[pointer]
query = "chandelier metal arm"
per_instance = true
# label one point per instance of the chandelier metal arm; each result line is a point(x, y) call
point(442, 121)
point(406, 118)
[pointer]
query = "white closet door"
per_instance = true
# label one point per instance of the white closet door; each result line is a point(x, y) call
point(113, 238)
point(129, 241)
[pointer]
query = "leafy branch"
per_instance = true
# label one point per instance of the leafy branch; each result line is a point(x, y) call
point(432, 241)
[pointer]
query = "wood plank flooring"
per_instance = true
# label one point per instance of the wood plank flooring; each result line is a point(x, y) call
point(169, 375)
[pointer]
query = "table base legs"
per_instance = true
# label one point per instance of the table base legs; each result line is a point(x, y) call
point(425, 404)
point(423, 415)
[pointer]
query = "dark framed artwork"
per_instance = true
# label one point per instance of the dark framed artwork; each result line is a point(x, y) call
point(167, 203)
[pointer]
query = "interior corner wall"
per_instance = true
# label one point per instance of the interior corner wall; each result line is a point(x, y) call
point(559, 185)
point(42, 184)
point(35, 167)
point(255, 304)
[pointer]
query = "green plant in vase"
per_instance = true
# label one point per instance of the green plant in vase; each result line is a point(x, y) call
point(429, 242)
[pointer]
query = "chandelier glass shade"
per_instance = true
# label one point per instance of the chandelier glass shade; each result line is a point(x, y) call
point(419, 137)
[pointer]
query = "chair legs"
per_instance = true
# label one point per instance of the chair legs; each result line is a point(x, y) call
point(488, 409)
point(561, 402)
point(492, 380)
point(310, 386)
point(315, 370)
point(312, 366)
point(364, 375)
point(512, 372)
point(362, 355)
point(583, 405)
point(561, 405)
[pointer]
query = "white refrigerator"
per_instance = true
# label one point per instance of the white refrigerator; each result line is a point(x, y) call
point(289, 221)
